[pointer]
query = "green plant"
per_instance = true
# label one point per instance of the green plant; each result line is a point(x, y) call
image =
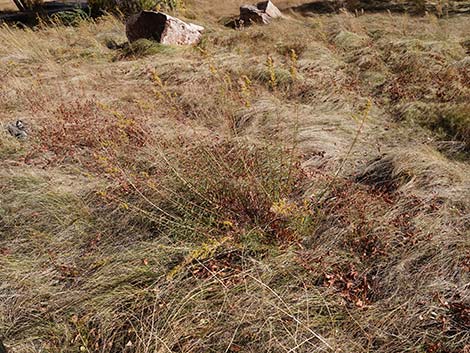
point(70, 18)
point(133, 6)
point(448, 121)
point(141, 48)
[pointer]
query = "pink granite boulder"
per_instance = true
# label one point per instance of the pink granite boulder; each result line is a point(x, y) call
point(162, 28)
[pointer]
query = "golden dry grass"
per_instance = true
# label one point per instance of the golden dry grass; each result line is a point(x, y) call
point(272, 190)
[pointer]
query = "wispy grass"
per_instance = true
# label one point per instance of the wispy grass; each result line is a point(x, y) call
point(162, 202)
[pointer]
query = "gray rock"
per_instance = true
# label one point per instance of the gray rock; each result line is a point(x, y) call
point(162, 28)
point(263, 13)
point(17, 130)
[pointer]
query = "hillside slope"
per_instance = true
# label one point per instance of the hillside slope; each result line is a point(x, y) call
point(298, 187)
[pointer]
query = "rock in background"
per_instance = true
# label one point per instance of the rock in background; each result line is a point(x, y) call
point(162, 28)
point(263, 12)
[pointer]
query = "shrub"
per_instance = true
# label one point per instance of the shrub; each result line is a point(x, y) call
point(141, 48)
point(80, 130)
point(133, 6)
point(206, 190)
point(70, 18)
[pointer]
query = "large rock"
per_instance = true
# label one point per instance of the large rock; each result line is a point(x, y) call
point(162, 28)
point(263, 12)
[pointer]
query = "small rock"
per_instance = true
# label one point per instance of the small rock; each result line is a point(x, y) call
point(162, 28)
point(263, 13)
point(17, 130)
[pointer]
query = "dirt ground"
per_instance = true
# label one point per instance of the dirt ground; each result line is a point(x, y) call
point(7, 5)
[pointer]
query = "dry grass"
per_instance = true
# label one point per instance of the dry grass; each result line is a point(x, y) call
point(299, 187)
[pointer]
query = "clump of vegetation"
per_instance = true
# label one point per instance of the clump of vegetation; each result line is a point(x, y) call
point(222, 189)
point(71, 17)
point(450, 121)
point(134, 6)
point(141, 48)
